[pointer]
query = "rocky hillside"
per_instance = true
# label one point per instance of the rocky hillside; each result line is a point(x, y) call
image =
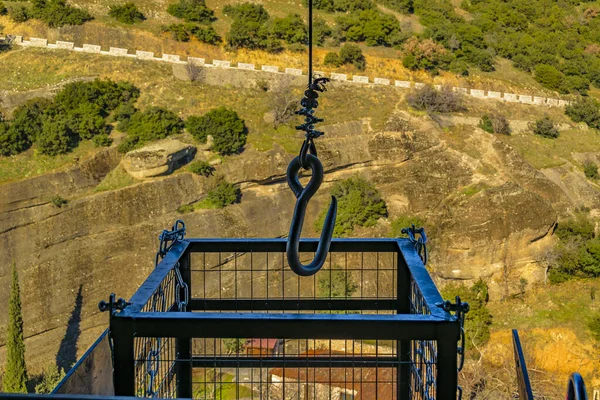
point(490, 214)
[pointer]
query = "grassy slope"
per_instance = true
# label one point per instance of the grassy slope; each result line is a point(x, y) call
point(146, 36)
point(39, 68)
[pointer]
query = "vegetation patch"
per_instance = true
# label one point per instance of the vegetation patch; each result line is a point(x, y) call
point(116, 179)
point(495, 123)
point(127, 13)
point(405, 221)
point(227, 129)
point(145, 126)
point(545, 127)
point(202, 168)
point(359, 204)
point(55, 13)
point(430, 99)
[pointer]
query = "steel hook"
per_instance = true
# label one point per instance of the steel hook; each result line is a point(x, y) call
point(303, 195)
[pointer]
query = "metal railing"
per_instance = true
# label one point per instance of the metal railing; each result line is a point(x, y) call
point(367, 326)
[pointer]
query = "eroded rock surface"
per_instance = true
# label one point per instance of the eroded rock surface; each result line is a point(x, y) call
point(158, 158)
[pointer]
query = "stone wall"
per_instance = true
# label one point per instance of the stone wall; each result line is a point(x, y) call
point(529, 99)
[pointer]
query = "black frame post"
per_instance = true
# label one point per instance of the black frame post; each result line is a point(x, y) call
point(403, 346)
point(121, 331)
point(183, 344)
point(447, 357)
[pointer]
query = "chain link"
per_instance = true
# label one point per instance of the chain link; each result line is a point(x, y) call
point(181, 305)
point(168, 239)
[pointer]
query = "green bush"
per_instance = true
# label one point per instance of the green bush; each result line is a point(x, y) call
point(50, 378)
point(352, 54)
point(579, 228)
point(290, 29)
point(184, 32)
point(321, 31)
point(594, 327)
point(590, 170)
point(12, 140)
point(335, 283)
point(178, 32)
point(325, 5)
point(405, 221)
point(369, 26)
point(223, 194)
point(19, 14)
point(585, 109)
point(56, 137)
point(201, 168)
point(548, 76)
point(247, 11)
point(206, 35)
point(192, 11)
point(58, 201)
point(545, 127)
point(102, 140)
point(403, 6)
point(332, 59)
point(495, 123)
point(353, 5)
point(127, 13)
point(185, 209)
point(479, 319)
point(3, 9)
point(359, 204)
point(57, 13)
point(225, 126)
point(426, 54)
point(153, 124)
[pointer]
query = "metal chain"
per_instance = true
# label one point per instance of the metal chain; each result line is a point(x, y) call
point(420, 243)
point(152, 365)
point(168, 239)
point(460, 309)
point(181, 305)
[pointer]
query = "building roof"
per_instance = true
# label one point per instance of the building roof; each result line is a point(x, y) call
point(368, 383)
point(269, 344)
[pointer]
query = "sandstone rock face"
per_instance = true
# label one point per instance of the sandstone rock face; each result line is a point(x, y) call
point(158, 158)
point(488, 214)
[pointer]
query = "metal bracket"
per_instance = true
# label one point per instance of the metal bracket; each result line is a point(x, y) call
point(113, 305)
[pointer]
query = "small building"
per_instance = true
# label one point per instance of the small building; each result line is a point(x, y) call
point(331, 383)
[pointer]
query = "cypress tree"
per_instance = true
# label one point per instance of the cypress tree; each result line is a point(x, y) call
point(15, 376)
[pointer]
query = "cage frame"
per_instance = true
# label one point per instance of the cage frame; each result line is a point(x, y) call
point(402, 327)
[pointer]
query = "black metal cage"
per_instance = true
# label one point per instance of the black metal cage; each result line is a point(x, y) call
point(227, 319)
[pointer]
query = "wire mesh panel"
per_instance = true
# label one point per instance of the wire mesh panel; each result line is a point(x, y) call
point(361, 328)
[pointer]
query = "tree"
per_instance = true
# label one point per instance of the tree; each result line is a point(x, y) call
point(56, 137)
point(19, 14)
point(56, 13)
point(201, 168)
point(584, 109)
point(15, 375)
point(352, 54)
point(51, 377)
point(545, 127)
point(225, 126)
point(223, 194)
point(590, 170)
point(153, 124)
point(432, 100)
point(335, 283)
point(321, 31)
point(127, 13)
point(192, 11)
point(359, 204)
point(291, 29)
point(479, 319)
point(332, 59)
point(12, 141)
point(495, 123)
point(234, 346)
point(548, 76)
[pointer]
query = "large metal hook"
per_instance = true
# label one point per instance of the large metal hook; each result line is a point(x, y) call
point(303, 195)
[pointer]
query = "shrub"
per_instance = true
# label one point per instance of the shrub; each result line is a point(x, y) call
point(369, 26)
point(225, 126)
point(178, 32)
point(479, 319)
point(325, 5)
point(19, 14)
point(56, 137)
point(594, 327)
point(201, 168)
point(58, 201)
point(127, 13)
point(585, 109)
point(424, 54)
point(591, 170)
point(332, 59)
point(206, 35)
point(335, 283)
point(495, 123)
point(185, 208)
point(359, 204)
point(291, 29)
point(247, 11)
point(102, 140)
point(86, 121)
point(545, 127)
point(352, 54)
point(3, 9)
point(50, 378)
point(12, 140)
point(353, 5)
point(223, 194)
point(192, 11)
point(56, 13)
point(405, 221)
point(579, 228)
point(321, 31)
point(432, 100)
point(153, 124)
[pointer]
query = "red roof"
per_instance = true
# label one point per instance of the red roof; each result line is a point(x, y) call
point(262, 343)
